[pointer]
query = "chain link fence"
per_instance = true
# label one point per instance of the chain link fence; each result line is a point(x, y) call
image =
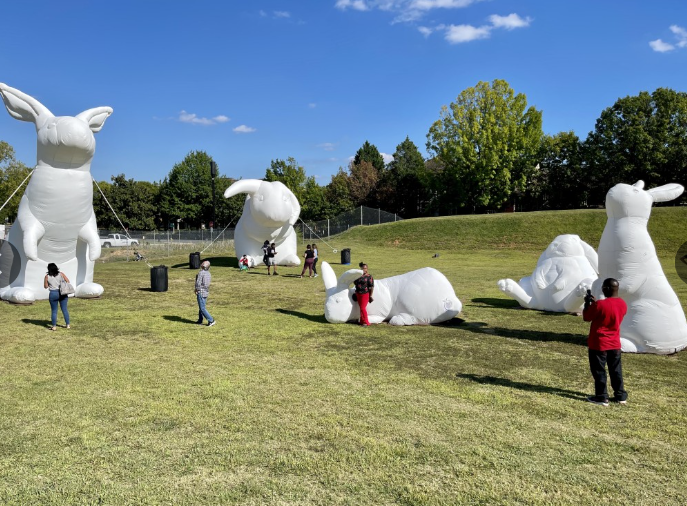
point(359, 216)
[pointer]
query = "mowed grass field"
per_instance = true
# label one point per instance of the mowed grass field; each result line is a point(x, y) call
point(273, 405)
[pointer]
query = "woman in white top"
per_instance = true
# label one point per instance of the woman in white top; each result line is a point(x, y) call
point(52, 282)
point(314, 264)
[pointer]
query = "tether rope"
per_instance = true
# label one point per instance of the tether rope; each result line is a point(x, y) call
point(113, 211)
point(15, 191)
point(334, 250)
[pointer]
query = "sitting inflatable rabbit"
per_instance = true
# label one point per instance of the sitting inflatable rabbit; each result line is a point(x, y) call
point(55, 221)
point(269, 213)
point(423, 296)
point(565, 271)
point(655, 321)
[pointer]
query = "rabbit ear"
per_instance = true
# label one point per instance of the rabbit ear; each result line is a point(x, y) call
point(328, 276)
point(639, 184)
point(95, 117)
point(249, 186)
point(349, 277)
point(23, 107)
point(666, 192)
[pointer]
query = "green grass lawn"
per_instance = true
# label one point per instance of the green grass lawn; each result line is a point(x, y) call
point(138, 405)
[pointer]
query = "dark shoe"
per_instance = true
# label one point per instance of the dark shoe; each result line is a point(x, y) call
point(601, 401)
point(199, 322)
point(618, 401)
point(214, 321)
point(275, 274)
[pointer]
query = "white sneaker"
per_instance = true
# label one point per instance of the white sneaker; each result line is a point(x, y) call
point(212, 323)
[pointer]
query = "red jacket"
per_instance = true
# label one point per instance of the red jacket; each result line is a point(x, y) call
point(606, 316)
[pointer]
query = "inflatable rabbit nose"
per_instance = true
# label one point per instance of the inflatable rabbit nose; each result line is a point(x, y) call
point(639, 185)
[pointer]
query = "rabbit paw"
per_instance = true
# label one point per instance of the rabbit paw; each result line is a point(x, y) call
point(506, 285)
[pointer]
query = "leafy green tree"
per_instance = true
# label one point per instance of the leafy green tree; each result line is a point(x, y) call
point(309, 194)
point(186, 192)
point(369, 153)
point(133, 201)
point(404, 187)
point(12, 174)
point(487, 142)
point(362, 181)
point(338, 195)
point(639, 137)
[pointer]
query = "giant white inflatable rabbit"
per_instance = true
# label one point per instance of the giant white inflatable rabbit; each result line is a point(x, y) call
point(269, 213)
point(655, 321)
point(55, 221)
point(422, 296)
point(564, 272)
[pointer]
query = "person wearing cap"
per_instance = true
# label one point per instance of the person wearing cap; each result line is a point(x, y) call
point(202, 291)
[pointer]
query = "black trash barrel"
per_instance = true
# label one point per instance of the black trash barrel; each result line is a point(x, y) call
point(158, 278)
point(346, 256)
point(194, 260)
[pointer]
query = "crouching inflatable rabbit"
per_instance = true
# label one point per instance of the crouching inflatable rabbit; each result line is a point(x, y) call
point(419, 297)
point(55, 221)
point(655, 321)
point(565, 271)
point(269, 213)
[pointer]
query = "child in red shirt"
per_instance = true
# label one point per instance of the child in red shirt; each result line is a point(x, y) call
point(604, 342)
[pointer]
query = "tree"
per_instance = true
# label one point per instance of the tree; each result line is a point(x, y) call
point(186, 192)
point(639, 137)
point(404, 187)
point(362, 181)
point(369, 153)
point(487, 142)
point(12, 174)
point(338, 195)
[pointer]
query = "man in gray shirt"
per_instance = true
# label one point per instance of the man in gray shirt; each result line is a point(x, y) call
point(202, 291)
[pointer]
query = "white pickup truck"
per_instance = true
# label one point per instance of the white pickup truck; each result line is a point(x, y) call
point(116, 240)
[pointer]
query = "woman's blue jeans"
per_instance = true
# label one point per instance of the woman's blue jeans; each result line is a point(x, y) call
point(202, 312)
point(55, 298)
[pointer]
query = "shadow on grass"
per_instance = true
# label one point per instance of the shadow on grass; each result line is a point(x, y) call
point(527, 335)
point(502, 303)
point(179, 319)
point(145, 289)
point(40, 323)
point(305, 316)
point(214, 262)
point(529, 387)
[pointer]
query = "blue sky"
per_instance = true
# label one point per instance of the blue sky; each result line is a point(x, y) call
point(252, 81)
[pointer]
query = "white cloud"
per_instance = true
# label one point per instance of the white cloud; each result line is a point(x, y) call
point(187, 117)
point(282, 14)
point(510, 22)
point(681, 35)
point(327, 146)
point(466, 33)
point(387, 157)
point(243, 129)
point(426, 5)
point(357, 5)
point(661, 47)
point(426, 31)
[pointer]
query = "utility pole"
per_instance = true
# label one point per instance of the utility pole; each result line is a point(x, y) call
point(213, 174)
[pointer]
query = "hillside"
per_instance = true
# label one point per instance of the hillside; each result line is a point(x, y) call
point(521, 231)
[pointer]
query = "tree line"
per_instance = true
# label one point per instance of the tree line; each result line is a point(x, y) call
point(487, 153)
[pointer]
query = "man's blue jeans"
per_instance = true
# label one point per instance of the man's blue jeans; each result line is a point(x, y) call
point(55, 298)
point(202, 312)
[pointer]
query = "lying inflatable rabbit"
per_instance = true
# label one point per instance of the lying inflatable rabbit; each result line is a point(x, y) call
point(655, 321)
point(269, 213)
point(419, 297)
point(565, 271)
point(55, 221)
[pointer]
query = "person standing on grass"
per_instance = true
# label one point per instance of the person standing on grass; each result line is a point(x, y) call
point(309, 257)
point(202, 291)
point(52, 282)
point(271, 260)
point(314, 263)
point(604, 342)
point(265, 253)
point(364, 286)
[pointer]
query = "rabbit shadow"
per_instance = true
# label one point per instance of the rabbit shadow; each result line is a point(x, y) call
point(527, 335)
point(528, 387)
point(305, 316)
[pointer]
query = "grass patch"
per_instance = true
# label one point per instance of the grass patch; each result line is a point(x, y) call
point(137, 405)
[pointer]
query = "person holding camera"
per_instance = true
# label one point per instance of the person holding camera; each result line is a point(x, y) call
point(364, 286)
point(604, 342)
